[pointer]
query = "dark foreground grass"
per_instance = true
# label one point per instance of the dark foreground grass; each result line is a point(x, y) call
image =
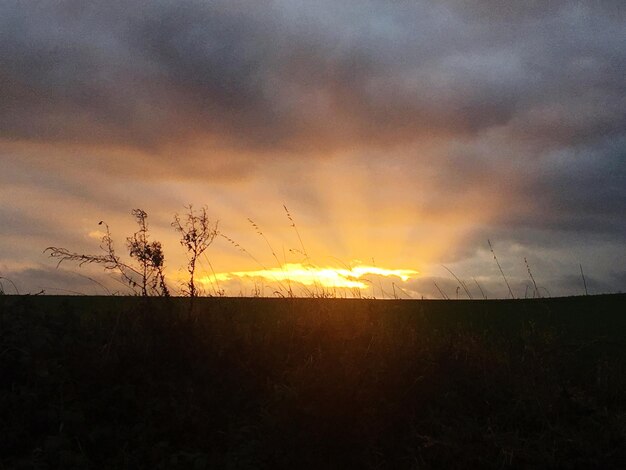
point(111, 382)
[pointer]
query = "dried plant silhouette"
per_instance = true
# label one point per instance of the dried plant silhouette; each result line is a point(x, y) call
point(145, 278)
point(2, 291)
point(582, 274)
point(145, 272)
point(197, 233)
point(150, 257)
point(500, 268)
point(281, 288)
point(295, 228)
point(536, 292)
point(460, 281)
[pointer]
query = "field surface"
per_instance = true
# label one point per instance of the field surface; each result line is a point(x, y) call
point(129, 382)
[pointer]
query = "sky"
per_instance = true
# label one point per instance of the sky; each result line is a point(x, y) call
point(400, 134)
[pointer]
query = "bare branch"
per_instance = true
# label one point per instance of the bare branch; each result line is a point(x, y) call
point(196, 235)
point(148, 278)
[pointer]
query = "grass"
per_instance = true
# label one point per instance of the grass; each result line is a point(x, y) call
point(130, 382)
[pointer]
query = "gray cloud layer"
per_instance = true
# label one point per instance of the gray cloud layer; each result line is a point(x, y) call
point(277, 73)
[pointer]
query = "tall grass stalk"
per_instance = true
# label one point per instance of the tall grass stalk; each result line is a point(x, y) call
point(401, 290)
point(532, 278)
point(443, 294)
point(253, 258)
point(469, 294)
point(582, 274)
point(293, 224)
point(215, 284)
point(480, 288)
point(2, 291)
point(500, 268)
point(280, 265)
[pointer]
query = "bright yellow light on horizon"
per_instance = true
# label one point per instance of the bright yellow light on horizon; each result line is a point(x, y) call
point(314, 275)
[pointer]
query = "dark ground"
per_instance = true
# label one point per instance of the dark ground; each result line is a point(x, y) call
point(119, 382)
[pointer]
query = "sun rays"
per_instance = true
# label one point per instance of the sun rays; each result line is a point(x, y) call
point(308, 275)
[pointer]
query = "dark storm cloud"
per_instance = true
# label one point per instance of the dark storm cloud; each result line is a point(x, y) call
point(576, 189)
point(303, 78)
point(151, 73)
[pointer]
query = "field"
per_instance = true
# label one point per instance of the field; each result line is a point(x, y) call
point(130, 382)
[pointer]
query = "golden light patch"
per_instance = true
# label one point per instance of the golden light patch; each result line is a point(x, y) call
point(309, 275)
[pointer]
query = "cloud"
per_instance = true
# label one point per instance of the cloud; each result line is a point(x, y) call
point(157, 74)
point(53, 281)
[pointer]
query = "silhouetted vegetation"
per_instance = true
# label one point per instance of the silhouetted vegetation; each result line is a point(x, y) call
point(150, 257)
point(145, 278)
point(145, 273)
point(137, 382)
point(196, 235)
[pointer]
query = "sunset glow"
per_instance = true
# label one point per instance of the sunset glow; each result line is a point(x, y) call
point(403, 134)
point(309, 275)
